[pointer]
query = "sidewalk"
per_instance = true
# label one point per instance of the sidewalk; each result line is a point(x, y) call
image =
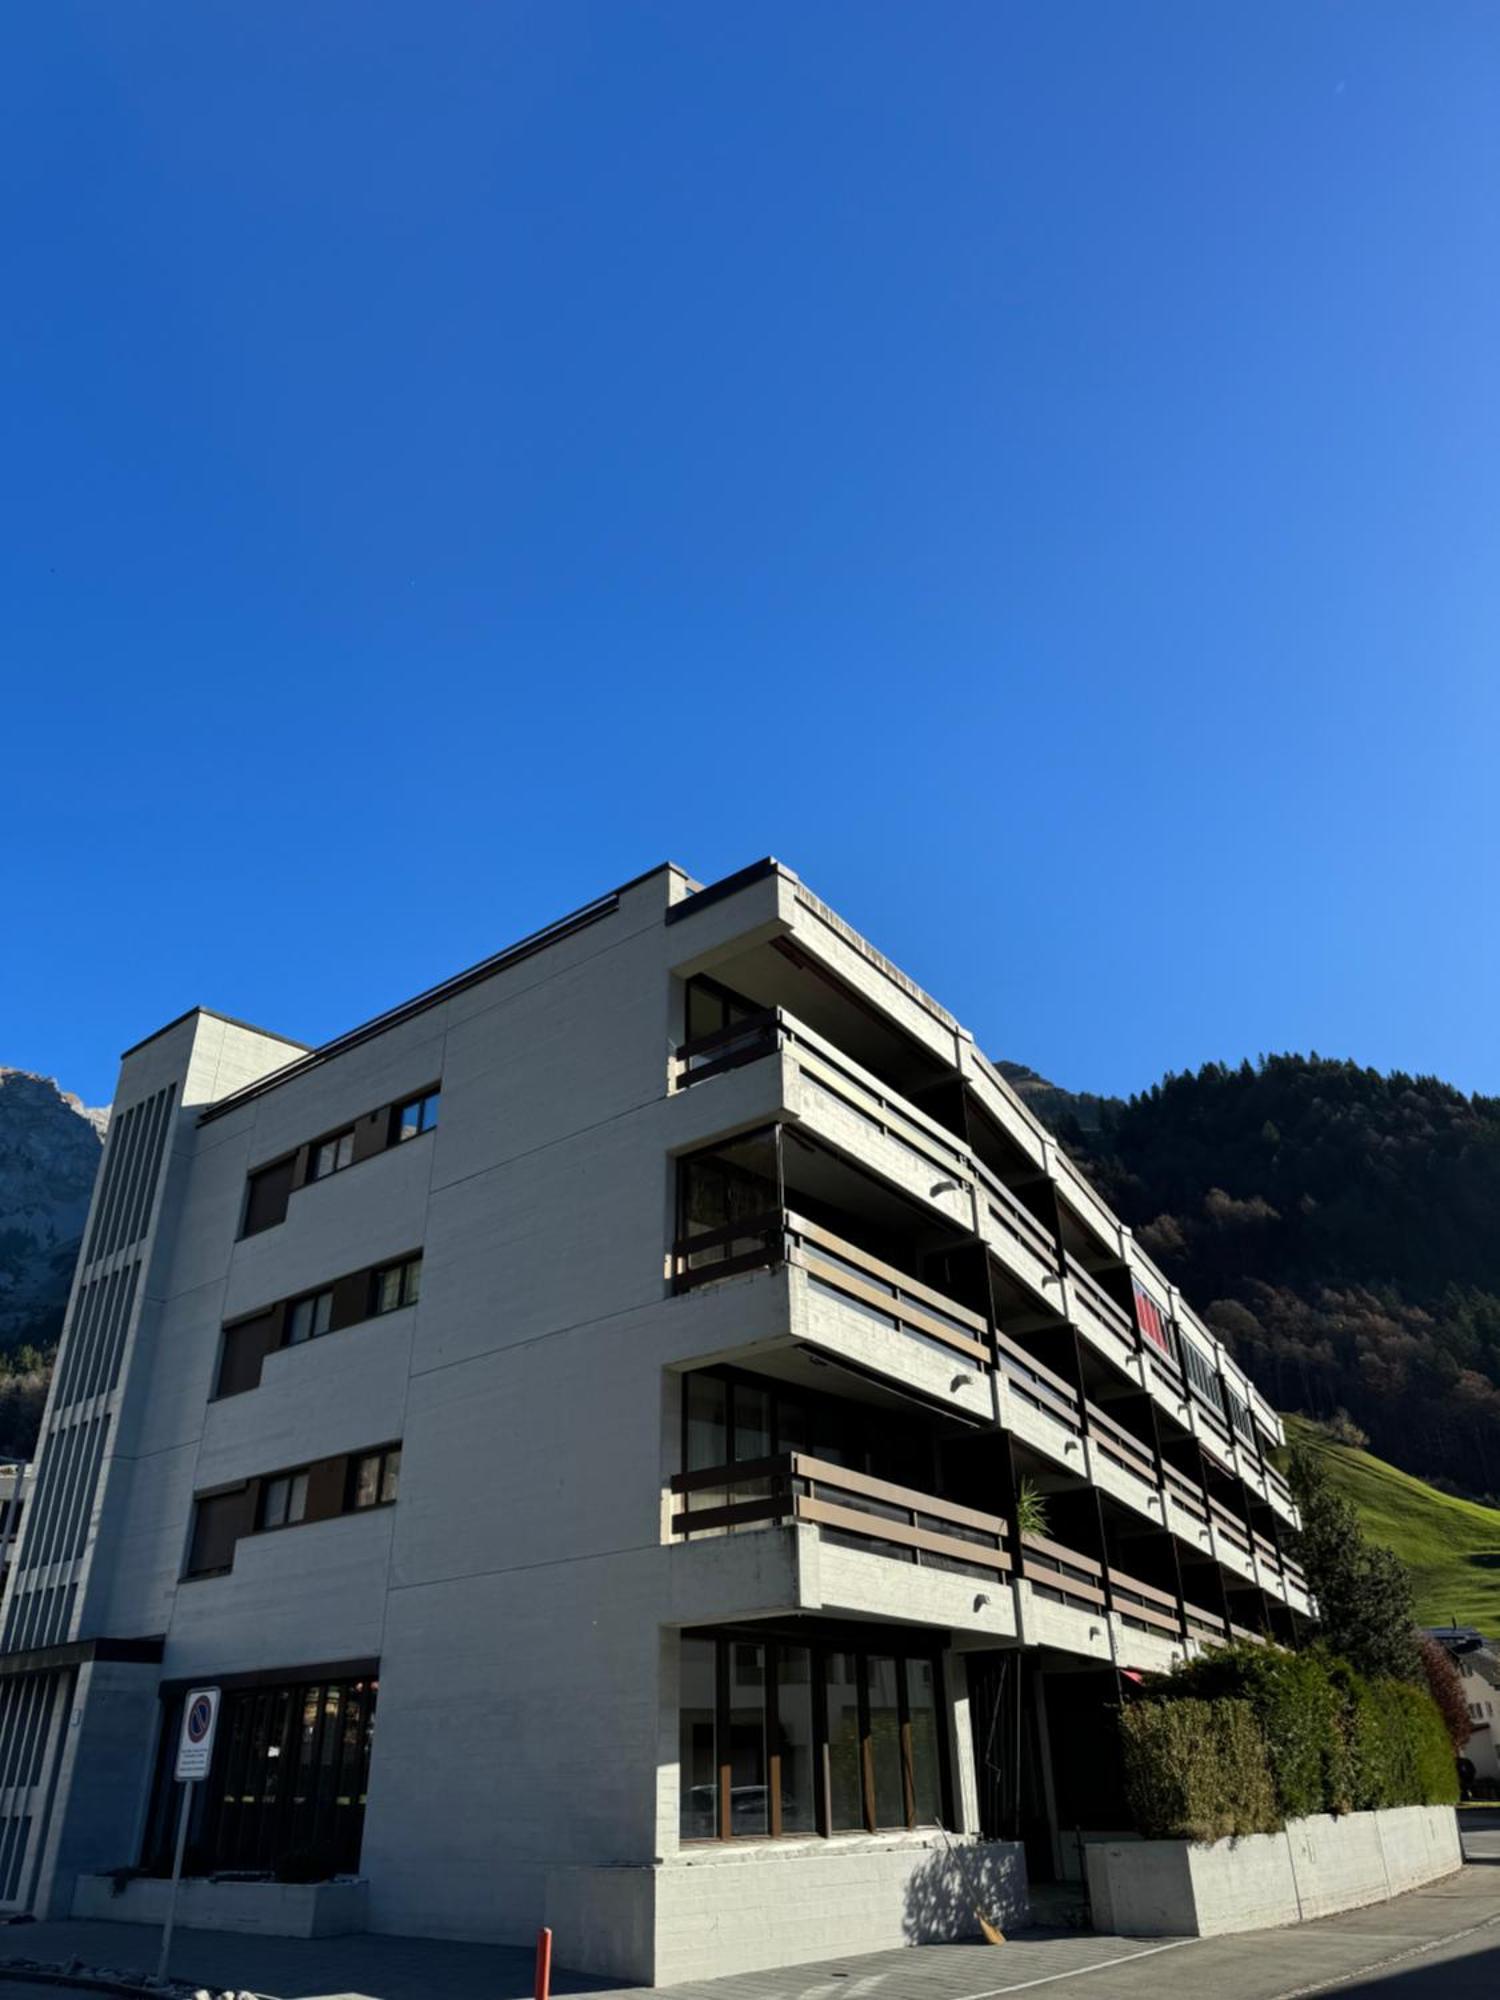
point(1442, 1940)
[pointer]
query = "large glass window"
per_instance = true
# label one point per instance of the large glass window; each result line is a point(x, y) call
point(289, 1776)
point(885, 1741)
point(770, 1716)
point(697, 1742)
point(748, 1811)
point(793, 1760)
point(845, 1737)
point(730, 1199)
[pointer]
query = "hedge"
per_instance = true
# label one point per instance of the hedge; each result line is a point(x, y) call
point(1245, 1738)
point(1196, 1770)
point(1298, 1711)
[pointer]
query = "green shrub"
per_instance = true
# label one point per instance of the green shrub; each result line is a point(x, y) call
point(1298, 1711)
point(1196, 1770)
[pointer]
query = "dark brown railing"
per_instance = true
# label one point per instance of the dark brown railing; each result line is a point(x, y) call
point(1096, 1309)
point(729, 1047)
point(1121, 1446)
point(1144, 1604)
point(794, 1486)
point(1207, 1626)
point(781, 1237)
point(1062, 1572)
point(1036, 1384)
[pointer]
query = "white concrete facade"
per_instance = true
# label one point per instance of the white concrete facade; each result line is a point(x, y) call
point(522, 1602)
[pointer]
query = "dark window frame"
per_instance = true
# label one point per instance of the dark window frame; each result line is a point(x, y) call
point(317, 1332)
point(407, 1297)
point(419, 1101)
point(284, 1163)
point(271, 1480)
point(383, 1455)
point(334, 1138)
point(879, 1643)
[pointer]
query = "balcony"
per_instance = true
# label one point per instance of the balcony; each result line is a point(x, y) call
point(849, 1108)
point(909, 1309)
point(1106, 1326)
point(1124, 1466)
point(874, 1514)
point(1038, 1406)
point(844, 1104)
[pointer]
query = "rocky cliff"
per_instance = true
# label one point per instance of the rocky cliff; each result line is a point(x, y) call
point(49, 1152)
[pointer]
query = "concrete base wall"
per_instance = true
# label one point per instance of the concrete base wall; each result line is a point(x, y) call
point(754, 1908)
point(1177, 1888)
point(276, 1909)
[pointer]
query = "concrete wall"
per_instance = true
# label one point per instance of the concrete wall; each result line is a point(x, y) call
point(275, 1909)
point(744, 1909)
point(1179, 1888)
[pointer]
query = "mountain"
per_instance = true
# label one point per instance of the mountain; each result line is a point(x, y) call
point(1451, 1546)
point(49, 1152)
point(1338, 1227)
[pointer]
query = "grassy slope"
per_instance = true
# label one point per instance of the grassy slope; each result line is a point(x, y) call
point(1452, 1546)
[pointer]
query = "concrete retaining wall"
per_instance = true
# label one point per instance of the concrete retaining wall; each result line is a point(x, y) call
point(751, 1908)
point(1178, 1888)
point(276, 1909)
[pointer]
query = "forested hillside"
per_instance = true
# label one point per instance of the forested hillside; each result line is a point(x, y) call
point(1340, 1228)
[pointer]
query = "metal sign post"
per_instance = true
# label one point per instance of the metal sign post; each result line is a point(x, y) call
point(195, 1749)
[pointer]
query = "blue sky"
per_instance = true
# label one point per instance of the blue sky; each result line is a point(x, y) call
point(1033, 468)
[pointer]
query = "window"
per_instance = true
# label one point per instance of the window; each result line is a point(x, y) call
point(1203, 1377)
point(309, 1317)
point(218, 1522)
point(1239, 1416)
point(416, 1116)
point(1153, 1320)
point(290, 1773)
point(283, 1500)
point(779, 1737)
point(329, 1156)
point(398, 1285)
point(266, 1195)
point(376, 1479)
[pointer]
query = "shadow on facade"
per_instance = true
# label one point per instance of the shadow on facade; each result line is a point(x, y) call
point(946, 1895)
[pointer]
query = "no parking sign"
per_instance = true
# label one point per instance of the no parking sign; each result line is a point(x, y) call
point(195, 1746)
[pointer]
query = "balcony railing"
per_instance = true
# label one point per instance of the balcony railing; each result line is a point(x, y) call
point(1012, 1218)
point(1207, 1626)
point(1097, 1311)
point(1062, 1572)
point(889, 1114)
point(896, 1521)
point(782, 1237)
point(1234, 1531)
point(1188, 1496)
point(1121, 1447)
point(1037, 1385)
point(729, 1047)
point(1278, 1485)
point(1143, 1604)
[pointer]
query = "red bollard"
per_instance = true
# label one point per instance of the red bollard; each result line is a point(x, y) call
point(543, 1964)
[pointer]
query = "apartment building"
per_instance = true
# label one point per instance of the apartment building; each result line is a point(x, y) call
point(650, 1436)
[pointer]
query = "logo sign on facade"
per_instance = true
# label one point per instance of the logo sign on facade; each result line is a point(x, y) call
point(195, 1746)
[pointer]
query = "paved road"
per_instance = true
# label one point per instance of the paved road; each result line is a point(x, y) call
point(1439, 1943)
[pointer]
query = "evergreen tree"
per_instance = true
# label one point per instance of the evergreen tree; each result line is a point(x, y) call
point(1365, 1605)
